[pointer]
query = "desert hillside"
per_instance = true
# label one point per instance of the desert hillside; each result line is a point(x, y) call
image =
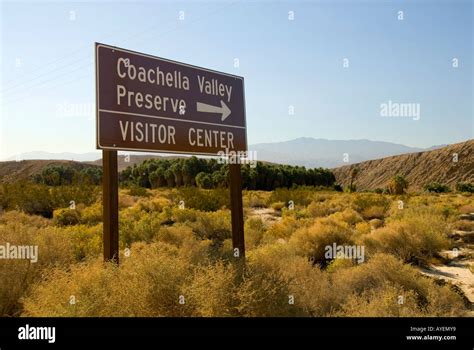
point(418, 168)
point(13, 171)
point(25, 169)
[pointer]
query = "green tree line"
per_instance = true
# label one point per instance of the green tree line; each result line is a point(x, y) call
point(58, 175)
point(209, 173)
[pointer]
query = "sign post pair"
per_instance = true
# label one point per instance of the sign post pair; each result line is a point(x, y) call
point(150, 104)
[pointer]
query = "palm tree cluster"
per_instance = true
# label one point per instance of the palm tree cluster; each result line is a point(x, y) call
point(209, 173)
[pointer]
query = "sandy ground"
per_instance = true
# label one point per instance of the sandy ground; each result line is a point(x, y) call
point(457, 270)
point(268, 215)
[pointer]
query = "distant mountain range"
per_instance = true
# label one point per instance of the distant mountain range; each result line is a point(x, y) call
point(311, 152)
point(78, 157)
point(305, 151)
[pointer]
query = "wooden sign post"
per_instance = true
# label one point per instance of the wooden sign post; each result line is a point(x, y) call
point(147, 103)
point(110, 204)
point(237, 211)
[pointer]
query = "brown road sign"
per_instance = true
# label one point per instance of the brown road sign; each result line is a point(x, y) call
point(147, 103)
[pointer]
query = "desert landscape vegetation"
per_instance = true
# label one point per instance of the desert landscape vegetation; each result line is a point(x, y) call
point(176, 248)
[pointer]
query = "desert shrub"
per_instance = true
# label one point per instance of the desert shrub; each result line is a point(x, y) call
point(300, 195)
point(385, 275)
point(446, 210)
point(255, 199)
point(466, 209)
point(143, 228)
point(153, 204)
point(17, 276)
point(92, 215)
point(32, 199)
point(215, 226)
point(148, 283)
point(436, 187)
point(175, 235)
point(24, 219)
point(282, 229)
point(307, 285)
point(86, 240)
point(312, 241)
point(138, 191)
point(38, 199)
point(376, 223)
point(295, 212)
point(201, 199)
point(254, 230)
point(184, 238)
point(348, 216)
point(64, 196)
point(184, 214)
point(414, 237)
point(338, 264)
point(397, 185)
point(371, 205)
point(375, 212)
point(126, 200)
point(188, 253)
point(350, 188)
point(381, 302)
point(264, 290)
point(463, 225)
point(278, 206)
point(363, 228)
point(66, 216)
point(318, 209)
point(465, 187)
point(212, 291)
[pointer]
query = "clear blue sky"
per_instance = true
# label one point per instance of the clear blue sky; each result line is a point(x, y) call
point(47, 65)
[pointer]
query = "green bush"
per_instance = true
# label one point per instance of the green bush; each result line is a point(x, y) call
point(204, 180)
point(254, 230)
point(142, 229)
point(138, 191)
point(204, 200)
point(66, 216)
point(92, 215)
point(465, 187)
point(302, 195)
point(371, 205)
point(436, 187)
point(214, 226)
point(397, 185)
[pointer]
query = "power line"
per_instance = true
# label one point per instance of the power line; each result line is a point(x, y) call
point(82, 48)
point(131, 36)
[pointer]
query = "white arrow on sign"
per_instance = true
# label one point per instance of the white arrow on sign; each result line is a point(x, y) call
point(223, 109)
